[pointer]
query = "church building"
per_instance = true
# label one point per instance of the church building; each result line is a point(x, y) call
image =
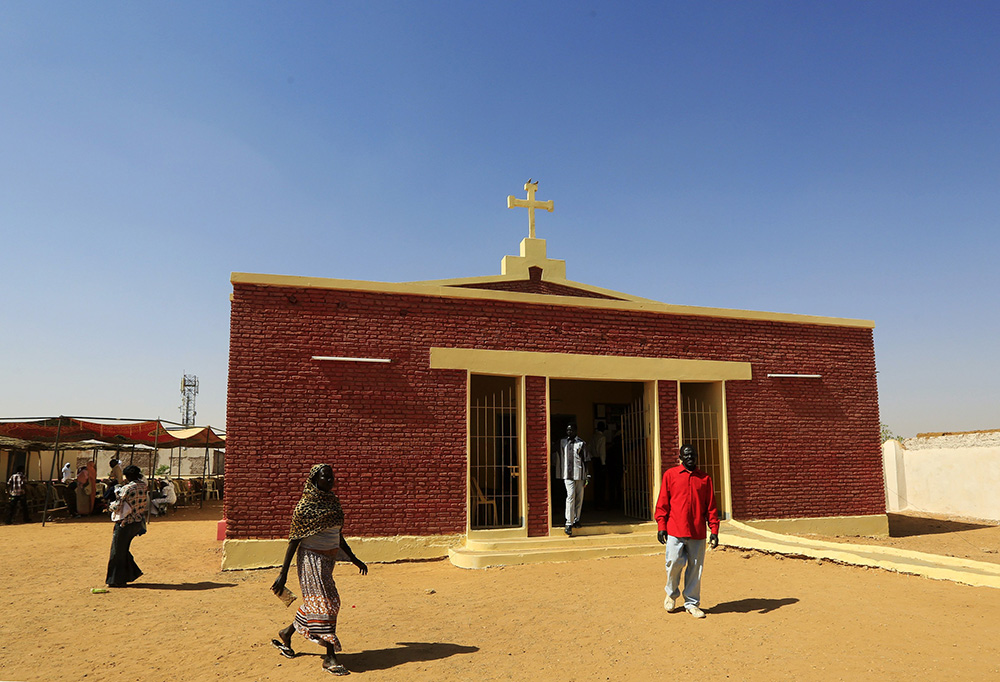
point(439, 404)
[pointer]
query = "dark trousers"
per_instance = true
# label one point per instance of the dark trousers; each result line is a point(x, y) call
point(15, 500)
point(122, 568)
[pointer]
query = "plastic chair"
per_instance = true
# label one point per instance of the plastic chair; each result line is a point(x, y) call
point(212, 489)
point(482, 501)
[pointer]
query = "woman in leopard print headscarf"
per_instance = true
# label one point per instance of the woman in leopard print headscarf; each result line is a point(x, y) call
point(315, 538)
point(318, 509)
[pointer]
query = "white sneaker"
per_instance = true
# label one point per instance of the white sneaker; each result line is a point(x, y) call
point(670, 604)
point(695, 611)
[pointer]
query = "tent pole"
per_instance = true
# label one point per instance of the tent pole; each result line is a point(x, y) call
point(204, 468)
point(93, 483)
point(152, 460)
point(45, 507)
point(49, 485)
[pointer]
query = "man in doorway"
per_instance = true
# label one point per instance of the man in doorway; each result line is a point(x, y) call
point(572, 462)
point(598, 455)
point(18, 495)
point(685, 505)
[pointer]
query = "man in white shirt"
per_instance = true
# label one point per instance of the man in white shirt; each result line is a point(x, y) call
point(169, 496)
point(572, 461)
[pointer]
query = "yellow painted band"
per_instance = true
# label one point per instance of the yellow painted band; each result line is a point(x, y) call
point(244, 554)
point(876, 525)
point(578, 366)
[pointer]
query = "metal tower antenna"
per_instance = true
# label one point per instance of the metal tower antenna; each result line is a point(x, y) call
point(189, 389)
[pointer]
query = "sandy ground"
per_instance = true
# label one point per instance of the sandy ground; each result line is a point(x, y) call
point(768, 618)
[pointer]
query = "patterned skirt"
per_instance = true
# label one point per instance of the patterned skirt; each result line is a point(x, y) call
point(316, 619)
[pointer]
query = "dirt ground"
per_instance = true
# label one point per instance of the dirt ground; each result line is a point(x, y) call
point(769, 618)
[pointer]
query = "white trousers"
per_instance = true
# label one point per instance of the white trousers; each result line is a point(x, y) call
point(574, 500)
point(681, 552)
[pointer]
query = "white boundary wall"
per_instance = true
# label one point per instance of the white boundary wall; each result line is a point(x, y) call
point(957, 474)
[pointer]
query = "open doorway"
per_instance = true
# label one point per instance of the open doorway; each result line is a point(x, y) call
point(620, 491)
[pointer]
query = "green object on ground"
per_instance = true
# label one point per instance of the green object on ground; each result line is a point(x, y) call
point(97, 590)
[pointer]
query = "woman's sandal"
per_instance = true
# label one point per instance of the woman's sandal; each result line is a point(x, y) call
point(285, 650)
point(336, 669)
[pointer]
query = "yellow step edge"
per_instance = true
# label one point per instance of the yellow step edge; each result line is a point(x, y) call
point(463, 558)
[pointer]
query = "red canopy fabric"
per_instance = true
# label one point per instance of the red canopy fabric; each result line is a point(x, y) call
point(71, 429)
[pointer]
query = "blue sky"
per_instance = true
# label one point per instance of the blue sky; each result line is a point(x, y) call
point(838, 159)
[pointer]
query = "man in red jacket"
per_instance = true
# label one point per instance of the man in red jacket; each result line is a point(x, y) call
point(685, 505)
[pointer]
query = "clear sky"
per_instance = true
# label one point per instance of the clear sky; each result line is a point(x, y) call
point(838, 159)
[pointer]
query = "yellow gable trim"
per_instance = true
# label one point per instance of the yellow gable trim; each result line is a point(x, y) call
point(632, 303)
point(578, 366)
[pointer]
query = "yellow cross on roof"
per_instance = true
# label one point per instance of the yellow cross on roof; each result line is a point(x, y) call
point(530, 204)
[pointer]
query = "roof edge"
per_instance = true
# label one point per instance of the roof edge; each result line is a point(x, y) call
point(449, 290)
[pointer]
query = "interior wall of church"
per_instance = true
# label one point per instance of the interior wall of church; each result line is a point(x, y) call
point(578, 398)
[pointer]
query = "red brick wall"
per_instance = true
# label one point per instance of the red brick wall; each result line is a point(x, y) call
point(669, 426)
point(808, 447)
point(536, 413)
point(396, 433)
point(539, 287)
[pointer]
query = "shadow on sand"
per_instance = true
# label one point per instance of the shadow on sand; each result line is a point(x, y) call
point(905, 526)
point(748, 605)
point(205, 585)
point(403, 652)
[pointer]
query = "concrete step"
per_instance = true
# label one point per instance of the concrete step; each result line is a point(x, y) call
point(588, 542)
point(558, 540)
point(464, 558)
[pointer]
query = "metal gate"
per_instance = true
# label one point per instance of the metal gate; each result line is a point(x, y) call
point(700, 427)
point(494, 489)
point(636, 476)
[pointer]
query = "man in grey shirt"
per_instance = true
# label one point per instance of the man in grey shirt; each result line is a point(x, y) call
point(572, 462)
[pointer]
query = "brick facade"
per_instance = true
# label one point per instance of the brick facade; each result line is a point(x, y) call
point(536, 413)
point(669, 428)
point(396, 433)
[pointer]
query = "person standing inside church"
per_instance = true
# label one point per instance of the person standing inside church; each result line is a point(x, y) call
point(685, 506)
point(598, 457)
point(572, 462)
point(614, 466)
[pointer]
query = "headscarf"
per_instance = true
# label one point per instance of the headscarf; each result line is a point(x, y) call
point(316, 511)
